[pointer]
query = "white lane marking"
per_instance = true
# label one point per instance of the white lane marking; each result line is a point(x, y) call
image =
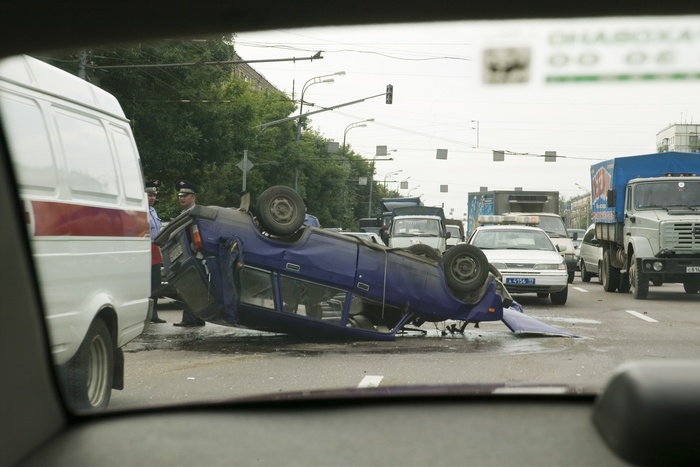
point(639, 315)
point(370, 381)
point(580, 289)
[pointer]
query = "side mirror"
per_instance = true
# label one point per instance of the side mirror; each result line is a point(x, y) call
point(575, 237)
point(561, 248)
point(448, 235)
point(385, 237)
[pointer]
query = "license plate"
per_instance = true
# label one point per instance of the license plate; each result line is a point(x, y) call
point(175, 252)
point(692, 269)
point(520, 280)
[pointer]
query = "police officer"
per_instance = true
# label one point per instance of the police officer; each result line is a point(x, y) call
point(186, 196)
point(156, 258)
point(308, 218)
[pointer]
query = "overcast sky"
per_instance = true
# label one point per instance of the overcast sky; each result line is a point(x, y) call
point(520, 83)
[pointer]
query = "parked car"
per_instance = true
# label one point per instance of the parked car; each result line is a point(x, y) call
point(591, 255)
point(576, 236)
point(526, 258)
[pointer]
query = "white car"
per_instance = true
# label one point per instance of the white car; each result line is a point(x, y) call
point(591, 255)
point(526, 258)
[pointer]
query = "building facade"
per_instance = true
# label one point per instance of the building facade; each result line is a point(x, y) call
point(681, 137)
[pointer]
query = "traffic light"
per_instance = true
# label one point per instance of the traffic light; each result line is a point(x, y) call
point(389, 93)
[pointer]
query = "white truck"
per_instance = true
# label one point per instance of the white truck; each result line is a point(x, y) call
point(417, 225)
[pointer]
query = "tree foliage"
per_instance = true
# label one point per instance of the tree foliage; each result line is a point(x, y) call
point(195, 122)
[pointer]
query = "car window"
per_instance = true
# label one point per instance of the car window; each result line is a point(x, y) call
point(254, 301)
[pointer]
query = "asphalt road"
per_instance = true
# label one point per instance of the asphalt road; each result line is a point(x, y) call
point(171, 365)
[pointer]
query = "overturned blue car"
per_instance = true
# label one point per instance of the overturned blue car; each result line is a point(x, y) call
point(264, 270)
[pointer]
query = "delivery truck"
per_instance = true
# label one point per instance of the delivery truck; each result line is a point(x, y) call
point(646, 211)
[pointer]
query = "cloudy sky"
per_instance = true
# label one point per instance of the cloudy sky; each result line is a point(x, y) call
point(524, 88)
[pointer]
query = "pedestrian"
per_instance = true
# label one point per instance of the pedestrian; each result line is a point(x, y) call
point(308, 218)
point(156, 258)
point(186, 196)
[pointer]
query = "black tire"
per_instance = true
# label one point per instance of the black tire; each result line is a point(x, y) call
point(280, 210)
point(625, 285)
point(87, 378)
point(559, 298)
point(691, 287)
point(571, 276)
point(466, 268)
point(610, 276)
point(657, 282)
point(639, 280)
point(425, 250)
point(585, 275)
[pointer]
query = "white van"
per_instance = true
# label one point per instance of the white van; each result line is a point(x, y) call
point(80, 180)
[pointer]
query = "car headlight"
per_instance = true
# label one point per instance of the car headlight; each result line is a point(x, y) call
point(550, 266)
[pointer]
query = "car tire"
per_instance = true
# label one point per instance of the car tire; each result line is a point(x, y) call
point(657, 282)
point(585, 275)
point(639, 280)
point(559, 298)
point(280, 210)
point(624, 285)
point(465, 267)
point(87, 378)
point(425, 251)
point(610, 276)
point(571, 276)
point(691, 287)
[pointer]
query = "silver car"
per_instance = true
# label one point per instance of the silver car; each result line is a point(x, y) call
point(590, 255)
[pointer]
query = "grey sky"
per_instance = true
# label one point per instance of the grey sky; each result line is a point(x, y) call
point(510, 77)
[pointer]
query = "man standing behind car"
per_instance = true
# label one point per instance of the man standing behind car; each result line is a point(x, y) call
point(186, 196)
point(156, 258)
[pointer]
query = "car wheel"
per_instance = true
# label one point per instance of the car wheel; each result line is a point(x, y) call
point(639, 280)
point(87, 379)
point(624, 285)
point(657, 282)
point(691, 287)
point(610, 276)
point(424, 250)
point(571, 276)
point(466, 268)
point(585, 275)
point(559, 298)
point(280, 210)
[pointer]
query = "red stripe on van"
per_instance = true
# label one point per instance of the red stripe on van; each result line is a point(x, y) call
point(58, 219)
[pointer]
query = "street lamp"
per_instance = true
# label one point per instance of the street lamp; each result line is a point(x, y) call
point(359, 124)
point(371, 175)
point(309, 83)
point(390, 174)
point(412, 189)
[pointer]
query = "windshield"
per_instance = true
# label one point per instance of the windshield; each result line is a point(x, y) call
point(554, 226)
point(667, 194)
point(179, 133)
point(416, 226)
point(512, 240)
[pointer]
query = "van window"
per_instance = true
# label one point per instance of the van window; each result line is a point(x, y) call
point(91, 171)
point(128, 162)
point(29, 142)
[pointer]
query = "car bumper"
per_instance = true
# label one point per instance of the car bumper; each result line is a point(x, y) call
point(523, 283)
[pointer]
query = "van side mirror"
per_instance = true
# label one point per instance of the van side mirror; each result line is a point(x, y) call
point(448, 235)
point(561, 248)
